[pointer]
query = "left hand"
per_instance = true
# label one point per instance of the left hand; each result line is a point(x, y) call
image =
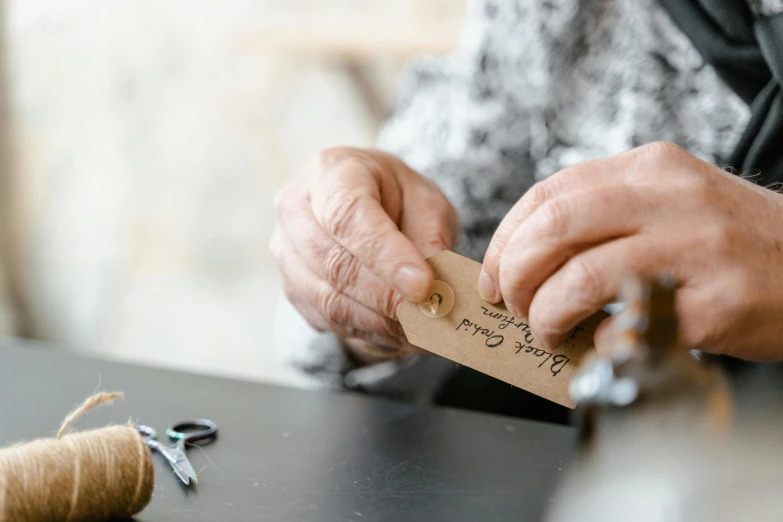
point(563, 251)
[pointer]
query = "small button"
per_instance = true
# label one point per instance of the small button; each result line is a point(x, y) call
point(440, 302)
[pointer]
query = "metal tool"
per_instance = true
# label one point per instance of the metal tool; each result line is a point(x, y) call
point(183, 433)
point(658, 434)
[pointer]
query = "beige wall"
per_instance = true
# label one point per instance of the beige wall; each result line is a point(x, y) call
point(150, 138)
point(7, 320)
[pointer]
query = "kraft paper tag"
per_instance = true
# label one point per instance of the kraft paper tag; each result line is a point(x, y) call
point(466, 329)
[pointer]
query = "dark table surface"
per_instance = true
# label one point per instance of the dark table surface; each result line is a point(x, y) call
point(293, 455)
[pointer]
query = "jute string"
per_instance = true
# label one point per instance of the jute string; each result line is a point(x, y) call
point(85, 476)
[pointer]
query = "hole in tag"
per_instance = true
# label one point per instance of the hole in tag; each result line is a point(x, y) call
point(440, 301)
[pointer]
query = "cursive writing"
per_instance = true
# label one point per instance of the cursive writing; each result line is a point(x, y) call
point(505, 321)
point(558, 361)
point(576, 331)
point(509, 320)
point(493, 340)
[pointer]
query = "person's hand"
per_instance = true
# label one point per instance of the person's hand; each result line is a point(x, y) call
point(352, 235)
point(565, 248)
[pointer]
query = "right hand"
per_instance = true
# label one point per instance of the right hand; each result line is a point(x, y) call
point(353, 232)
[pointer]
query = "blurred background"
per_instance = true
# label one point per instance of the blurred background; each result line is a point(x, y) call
point(143, 144)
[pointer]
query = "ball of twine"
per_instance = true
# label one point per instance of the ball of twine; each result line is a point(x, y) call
point(95, 475)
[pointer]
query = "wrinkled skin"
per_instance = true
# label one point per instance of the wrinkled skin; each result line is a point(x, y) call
point(355, 228)
point(566, 247)
point(353, 232)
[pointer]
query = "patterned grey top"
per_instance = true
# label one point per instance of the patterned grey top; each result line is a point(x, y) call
point(766, 7)
point(535, 86)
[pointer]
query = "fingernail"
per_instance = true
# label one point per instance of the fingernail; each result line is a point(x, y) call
point(538, 339)
point(487, 288)
point(553, 342)
point(412, 282)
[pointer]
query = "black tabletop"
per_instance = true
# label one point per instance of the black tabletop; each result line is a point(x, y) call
point(293, 455)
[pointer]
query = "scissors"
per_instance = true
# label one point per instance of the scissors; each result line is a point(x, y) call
point(198, 430)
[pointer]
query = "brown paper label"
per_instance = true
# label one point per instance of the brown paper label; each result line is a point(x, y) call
point(489, 339)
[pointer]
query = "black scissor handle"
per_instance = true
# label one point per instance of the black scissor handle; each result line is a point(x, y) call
point(198, 430)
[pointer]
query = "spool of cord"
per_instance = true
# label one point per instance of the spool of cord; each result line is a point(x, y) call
point(85, 476)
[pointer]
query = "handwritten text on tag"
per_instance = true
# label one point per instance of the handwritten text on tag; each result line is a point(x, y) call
point(489, 339)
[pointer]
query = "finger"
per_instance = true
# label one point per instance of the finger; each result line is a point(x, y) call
point(328, 310)
point(593, 279)
point(332, 262)
point(563, 227)
point(589, 174)
point(429, 220)
point(346, 201)
point(604, 337)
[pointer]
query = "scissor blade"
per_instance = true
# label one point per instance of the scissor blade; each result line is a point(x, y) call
point(182, 466)
point(181, 474)
point(186, 468)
